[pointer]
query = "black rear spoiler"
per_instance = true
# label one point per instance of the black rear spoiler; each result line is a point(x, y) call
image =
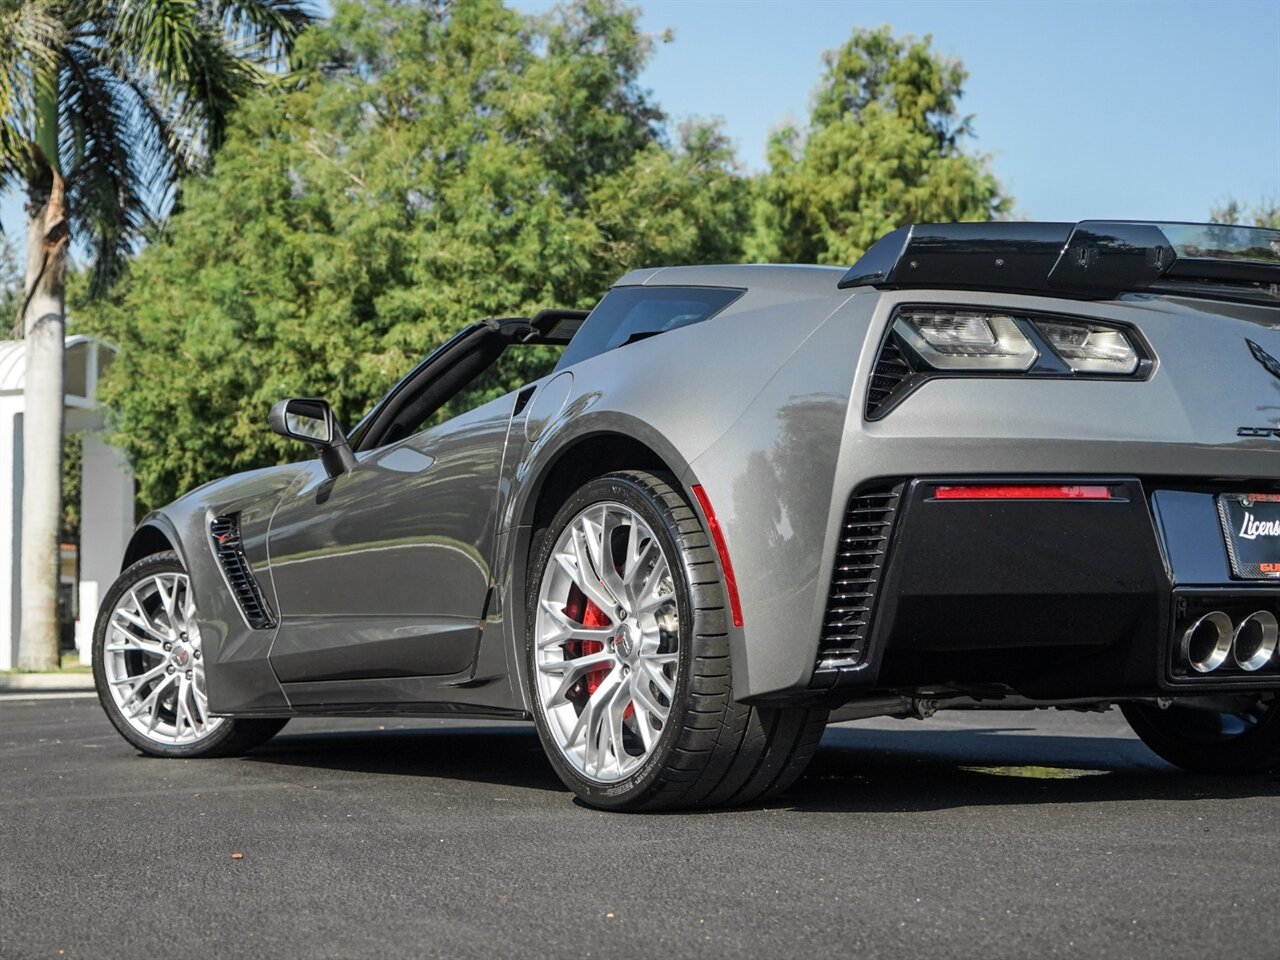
point(1092, 259)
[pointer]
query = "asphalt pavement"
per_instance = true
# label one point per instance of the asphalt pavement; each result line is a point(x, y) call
point(989, 835)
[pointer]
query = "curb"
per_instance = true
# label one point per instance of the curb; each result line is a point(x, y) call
point(45, 682)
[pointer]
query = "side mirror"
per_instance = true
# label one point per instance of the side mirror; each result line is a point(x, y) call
point(311, 420)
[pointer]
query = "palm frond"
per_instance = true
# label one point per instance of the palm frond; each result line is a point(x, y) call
point(272, 25)
point(164, 150)
point(32, 37)
point(156, 38)
point(104, 190)
point(193, 71)
point(146, 90)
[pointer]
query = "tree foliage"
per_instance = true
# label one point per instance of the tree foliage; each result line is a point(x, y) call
point(104, 105)
point(1264, 213)
point(122, 99)
point(10, 286)
point(884, 147)
point(430, 165)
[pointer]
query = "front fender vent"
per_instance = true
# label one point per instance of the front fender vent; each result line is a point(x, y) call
point(861, 555)
point(224, 532)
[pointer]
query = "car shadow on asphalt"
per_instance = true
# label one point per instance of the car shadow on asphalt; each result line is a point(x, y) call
point(500, 755)
point(869, 771)
point(917, 770)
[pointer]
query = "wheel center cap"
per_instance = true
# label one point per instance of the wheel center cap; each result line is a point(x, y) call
point(180, 655)
point(625, 642)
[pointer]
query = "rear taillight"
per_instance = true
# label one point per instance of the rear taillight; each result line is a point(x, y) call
point(925, 343)
point(966, 340)
point(1091, 347)
point(976, 341)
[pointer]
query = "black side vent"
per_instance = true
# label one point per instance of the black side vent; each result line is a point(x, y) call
point(225, 533)
point(522, 400)
point(890, 373)
point(860, 561)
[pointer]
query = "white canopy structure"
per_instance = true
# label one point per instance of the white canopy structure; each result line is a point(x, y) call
point(106, 505)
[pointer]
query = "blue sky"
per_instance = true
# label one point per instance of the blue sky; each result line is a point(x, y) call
point(1121, 109)
point(1137, 110)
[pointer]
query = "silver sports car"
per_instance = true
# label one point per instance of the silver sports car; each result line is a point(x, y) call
point(992, 465)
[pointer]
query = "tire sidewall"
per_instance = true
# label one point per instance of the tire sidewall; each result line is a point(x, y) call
point(1254, 751)
point(167, 562)
point(633, 493)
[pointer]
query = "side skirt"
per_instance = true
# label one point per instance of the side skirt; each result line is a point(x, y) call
point(390, 710)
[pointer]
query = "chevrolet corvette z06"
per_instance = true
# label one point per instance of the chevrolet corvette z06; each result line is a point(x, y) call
point(992, 465)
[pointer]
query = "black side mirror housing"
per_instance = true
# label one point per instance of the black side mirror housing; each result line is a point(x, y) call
point(311, 420)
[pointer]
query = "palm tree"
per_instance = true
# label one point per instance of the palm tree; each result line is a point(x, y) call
point(104, 106)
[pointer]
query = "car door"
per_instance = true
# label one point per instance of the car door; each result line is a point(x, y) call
point(383, 571)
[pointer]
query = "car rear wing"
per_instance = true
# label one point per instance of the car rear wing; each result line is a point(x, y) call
point(1092, 259)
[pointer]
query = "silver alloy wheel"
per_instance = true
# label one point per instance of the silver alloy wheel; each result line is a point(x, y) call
point(153, 662)
point(607, 634)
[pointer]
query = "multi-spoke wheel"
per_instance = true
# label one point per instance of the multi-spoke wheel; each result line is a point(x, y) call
point(607, 640)
point(152, 661)
point(1204, 737)
point(628, 676)
point(149, 667)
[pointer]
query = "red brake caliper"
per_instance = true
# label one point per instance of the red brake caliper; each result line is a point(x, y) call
point(583, 611)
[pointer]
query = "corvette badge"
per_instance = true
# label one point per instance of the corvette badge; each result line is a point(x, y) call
point(1264, 358)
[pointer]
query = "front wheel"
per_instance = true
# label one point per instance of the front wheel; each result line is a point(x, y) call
point(148, 666)
point(627, 658)
point(1245, 739)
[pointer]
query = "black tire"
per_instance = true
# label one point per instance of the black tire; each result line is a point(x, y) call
point(713, 750)
point(232, 737)
point(1200, 741)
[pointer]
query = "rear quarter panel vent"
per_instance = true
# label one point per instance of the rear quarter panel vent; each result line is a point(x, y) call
point(861, 554)
point(890, 372)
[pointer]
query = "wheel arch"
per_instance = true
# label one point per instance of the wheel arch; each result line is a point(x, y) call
point(590, 455)
point(581, 452)
point(579, 449)
point(154, 535)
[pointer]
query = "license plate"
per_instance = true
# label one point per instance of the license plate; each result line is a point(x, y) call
point(1251, 524)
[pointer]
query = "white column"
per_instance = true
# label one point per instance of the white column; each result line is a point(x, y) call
point(106, 521)
point(10, 511)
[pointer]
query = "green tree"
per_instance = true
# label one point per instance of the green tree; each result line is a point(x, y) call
point(1265, 213)
point(104, 104)
point(884, 147)
point(10, 283)
point(430, 165)
point(72, 477)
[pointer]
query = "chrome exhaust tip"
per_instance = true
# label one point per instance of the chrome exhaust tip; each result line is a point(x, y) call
point(1207, 643)
point(1254, 643)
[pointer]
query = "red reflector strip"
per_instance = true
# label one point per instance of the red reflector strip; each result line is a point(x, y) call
point(717, 537)
point(1023, 492)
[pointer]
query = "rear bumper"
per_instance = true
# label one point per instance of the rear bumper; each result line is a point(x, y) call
point(1051, 599)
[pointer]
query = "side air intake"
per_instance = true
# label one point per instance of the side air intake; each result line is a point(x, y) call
point(890, 373)
point(855, 580)
point(225, 534)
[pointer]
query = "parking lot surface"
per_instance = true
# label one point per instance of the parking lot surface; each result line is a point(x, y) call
point(1039, 834)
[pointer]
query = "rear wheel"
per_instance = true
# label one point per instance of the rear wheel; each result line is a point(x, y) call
point(148, 666)
point(1245, 739)
point(628, 659)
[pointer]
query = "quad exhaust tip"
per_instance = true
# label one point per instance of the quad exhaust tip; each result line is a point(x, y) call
point(1210, 641)
point(1254, 642)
